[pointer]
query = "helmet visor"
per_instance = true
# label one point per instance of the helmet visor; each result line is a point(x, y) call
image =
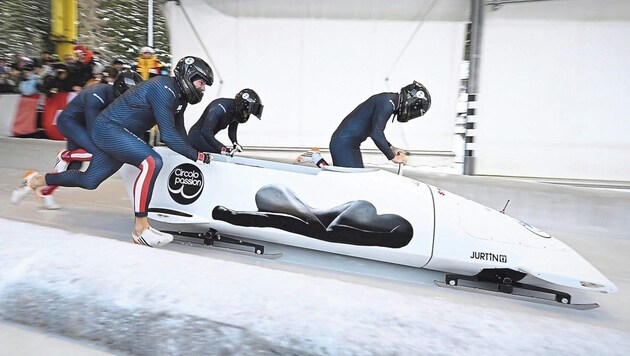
point(256, 109)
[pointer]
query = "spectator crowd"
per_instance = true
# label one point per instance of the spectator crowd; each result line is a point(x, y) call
point(49, 75)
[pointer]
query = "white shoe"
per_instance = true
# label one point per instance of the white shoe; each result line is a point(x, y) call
point(152, 238)
point(48, 201)
point(24, 189)
point(60, 164)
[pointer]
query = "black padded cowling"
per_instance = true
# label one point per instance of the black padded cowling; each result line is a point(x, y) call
point(354, 223)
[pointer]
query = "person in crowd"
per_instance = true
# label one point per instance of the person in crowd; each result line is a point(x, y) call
point(57, 81)
point(16, 76)
point(97, 75)
point(369, 120)
point(84, 65)
point(8, 81)
point(109, 74)
point(75, 123)
point(3, 66)
point(74, 72)
point(28, 86)
point(118, 64)
point(222, 113)
point(148, 64)
point(7, 85)
point(21, 61)
point(116, 132)
point(47, 61)
point(69, 59)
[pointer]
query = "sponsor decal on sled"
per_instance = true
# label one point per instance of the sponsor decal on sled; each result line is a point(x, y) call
point(486, 256)
point(185, 183)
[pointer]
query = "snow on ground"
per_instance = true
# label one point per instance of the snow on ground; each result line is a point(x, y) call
point(139, 300)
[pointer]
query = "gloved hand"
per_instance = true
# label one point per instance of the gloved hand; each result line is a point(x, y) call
point(204, 157)
point(395, 150)
point(228, 151)
point(236, 147)
point(400, 158)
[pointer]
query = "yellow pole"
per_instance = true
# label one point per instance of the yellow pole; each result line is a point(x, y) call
point(63, 29)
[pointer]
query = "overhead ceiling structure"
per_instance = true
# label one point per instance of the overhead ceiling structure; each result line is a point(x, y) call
point(392, 10)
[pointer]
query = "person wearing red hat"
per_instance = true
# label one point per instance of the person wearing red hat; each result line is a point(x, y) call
point(85, 64)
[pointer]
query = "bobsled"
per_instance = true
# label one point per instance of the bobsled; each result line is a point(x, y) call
point(367, 213)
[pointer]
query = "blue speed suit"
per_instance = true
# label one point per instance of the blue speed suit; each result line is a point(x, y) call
point(117, 129)
point(366, 120)
point(218, 115)
point(76, 120)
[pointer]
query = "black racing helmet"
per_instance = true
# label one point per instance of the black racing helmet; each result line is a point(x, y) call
point(414, 101)
point(125, 79)
point(248, 102)
point(189, 69)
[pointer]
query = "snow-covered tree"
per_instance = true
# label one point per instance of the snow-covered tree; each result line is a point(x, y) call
point(116, 28)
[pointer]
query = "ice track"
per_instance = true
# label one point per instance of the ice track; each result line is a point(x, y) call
point(306, 302)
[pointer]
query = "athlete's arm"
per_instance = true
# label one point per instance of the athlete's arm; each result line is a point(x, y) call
point(164, 104)
point(382, 113)
point(211, 121)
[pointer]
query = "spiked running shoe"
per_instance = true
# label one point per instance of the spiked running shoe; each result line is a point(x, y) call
point(24, 189)
point(152, 238)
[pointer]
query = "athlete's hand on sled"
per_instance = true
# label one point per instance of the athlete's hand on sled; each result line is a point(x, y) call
point(236, 147)
point(204, 157)
point(400, 158)
point(396, 150)
point(228, 151)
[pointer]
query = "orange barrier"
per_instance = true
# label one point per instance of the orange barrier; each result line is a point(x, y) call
point(25, 121)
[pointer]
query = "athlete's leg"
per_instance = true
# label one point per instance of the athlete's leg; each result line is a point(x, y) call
point(76, 133)
point(128, 148)
point(102, 166)
point(78, 151)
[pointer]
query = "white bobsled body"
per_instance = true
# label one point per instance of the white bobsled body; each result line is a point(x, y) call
point(365, 213)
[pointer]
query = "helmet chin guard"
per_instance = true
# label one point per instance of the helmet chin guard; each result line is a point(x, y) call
point(189, 69)
point(248, 103)
point(414, 101)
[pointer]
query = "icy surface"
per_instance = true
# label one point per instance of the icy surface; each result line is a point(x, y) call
point(140, 300)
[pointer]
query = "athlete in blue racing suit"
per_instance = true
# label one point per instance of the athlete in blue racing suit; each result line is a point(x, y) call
point(117, 130)
point(75, 123)
point(369, 120)
point(222, 113)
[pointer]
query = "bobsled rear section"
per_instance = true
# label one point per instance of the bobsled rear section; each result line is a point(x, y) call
point(472, 239)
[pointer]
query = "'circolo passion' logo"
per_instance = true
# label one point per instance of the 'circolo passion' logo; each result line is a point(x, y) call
point(185, 183)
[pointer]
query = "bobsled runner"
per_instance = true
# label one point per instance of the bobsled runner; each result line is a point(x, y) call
point(366, 213)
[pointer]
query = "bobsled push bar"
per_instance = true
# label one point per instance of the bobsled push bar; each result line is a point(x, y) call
point(506, 286)
point(212, 238)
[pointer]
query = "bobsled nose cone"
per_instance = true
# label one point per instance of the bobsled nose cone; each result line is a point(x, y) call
point(608, 287)
point(591, 283)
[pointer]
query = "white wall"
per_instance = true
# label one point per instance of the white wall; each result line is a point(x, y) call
point(553, 83)
point(311, 72)
point(9, 104)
